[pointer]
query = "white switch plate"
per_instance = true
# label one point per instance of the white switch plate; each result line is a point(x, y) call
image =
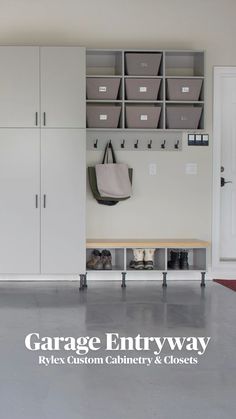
point(152, 168)
point(191, 168)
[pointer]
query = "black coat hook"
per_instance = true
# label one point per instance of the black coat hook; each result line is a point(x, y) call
point(95, 145)
point(123, 144)
point(136, 144)
point(177, 145)
point(150, 144)
point(163, 145)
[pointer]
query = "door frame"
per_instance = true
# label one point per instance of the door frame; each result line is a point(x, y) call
point(220, 268)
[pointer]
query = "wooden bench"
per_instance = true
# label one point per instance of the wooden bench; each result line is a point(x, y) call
point(122, 254)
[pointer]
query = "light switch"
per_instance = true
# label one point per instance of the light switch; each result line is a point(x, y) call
point(191, 168)
point(152, 169)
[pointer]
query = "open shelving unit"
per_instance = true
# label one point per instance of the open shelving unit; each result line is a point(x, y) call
point(174, 65)
point(122, 254)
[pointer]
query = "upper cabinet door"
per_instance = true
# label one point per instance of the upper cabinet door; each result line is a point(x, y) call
point(19, 86)
point(62, 87)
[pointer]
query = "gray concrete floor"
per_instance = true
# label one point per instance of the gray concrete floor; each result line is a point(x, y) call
point(30, 391)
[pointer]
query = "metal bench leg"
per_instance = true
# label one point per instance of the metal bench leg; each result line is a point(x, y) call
point(81, 285)
point(164, 283)
point(203, 277)
point(123, 283)
point(85, 281)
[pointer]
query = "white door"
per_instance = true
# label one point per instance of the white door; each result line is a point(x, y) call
point(224, 205)
point(62, 87)
point(19, 201)
point(19, 86)
point(63, 201)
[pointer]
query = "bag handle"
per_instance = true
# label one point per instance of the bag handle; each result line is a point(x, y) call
point(109, 147)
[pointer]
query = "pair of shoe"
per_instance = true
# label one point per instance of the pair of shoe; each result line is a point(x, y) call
point(100, 260)
point(143, 259)
point(178, 260)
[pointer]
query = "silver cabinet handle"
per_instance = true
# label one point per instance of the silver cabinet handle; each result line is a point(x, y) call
point(36, 201)
point(44, 118)
point(44, 201)
point(36, 119)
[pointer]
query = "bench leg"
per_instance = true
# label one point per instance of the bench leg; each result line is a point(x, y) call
point(123, 283)
point(85, 281)
point(164, 283)
point(203, 277)
point(82, 282)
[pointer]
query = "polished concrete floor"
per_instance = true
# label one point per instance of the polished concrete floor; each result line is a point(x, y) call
point(203, 391)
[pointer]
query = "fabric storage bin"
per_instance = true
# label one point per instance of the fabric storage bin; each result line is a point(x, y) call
point(142, 64)
point(183, 117)
point(103, 116)
point(142, 116)
point(142, 89)
point(102, 88)
point(183, 89)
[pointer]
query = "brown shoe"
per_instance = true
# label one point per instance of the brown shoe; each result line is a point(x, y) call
point(95, 261)
point(106, 259)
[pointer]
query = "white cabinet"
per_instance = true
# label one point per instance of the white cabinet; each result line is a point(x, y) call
point(19, 203)
point(42, 86)
point(19, 86)
point(62, 87)
point(42, 160)
point(63, 201)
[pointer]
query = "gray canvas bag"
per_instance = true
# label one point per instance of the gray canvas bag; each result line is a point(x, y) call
point(113, 178)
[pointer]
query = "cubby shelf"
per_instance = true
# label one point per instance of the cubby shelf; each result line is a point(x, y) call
point(122, 254)
point(174, 64)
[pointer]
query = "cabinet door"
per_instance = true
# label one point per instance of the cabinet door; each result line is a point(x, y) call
point(19, 203)
point(63, 201)
point(63, 87)
point(19, 86)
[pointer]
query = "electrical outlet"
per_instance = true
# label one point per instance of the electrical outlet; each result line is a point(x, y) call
point(191, 168)
point(152, 167)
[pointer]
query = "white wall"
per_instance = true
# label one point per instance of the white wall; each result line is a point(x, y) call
point(170, 204)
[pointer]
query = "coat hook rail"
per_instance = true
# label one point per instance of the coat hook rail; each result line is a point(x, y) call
point(130, 142)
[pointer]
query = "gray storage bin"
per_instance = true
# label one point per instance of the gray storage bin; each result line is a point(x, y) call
point(142, 89)
point(183, 117)
point(103, 116)
point(142, 116)
point(183, 89)
point(142, 64)
point(102, 88)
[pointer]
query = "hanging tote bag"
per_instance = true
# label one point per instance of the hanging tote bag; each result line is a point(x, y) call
point(113, 178)
point(93, 184)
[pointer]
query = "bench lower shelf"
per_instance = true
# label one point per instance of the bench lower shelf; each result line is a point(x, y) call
point(122, 254)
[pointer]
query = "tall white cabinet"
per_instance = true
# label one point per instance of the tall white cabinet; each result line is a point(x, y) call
point(42, 160)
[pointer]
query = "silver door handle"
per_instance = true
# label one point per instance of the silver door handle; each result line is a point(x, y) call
point(36, 201)
point(44, 118)
point(44, 201)
point(36, 119)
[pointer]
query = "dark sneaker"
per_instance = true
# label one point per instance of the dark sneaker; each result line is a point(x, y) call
point(148, 264)
point(132, 264)
point(183, 260)
point(174, 262)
